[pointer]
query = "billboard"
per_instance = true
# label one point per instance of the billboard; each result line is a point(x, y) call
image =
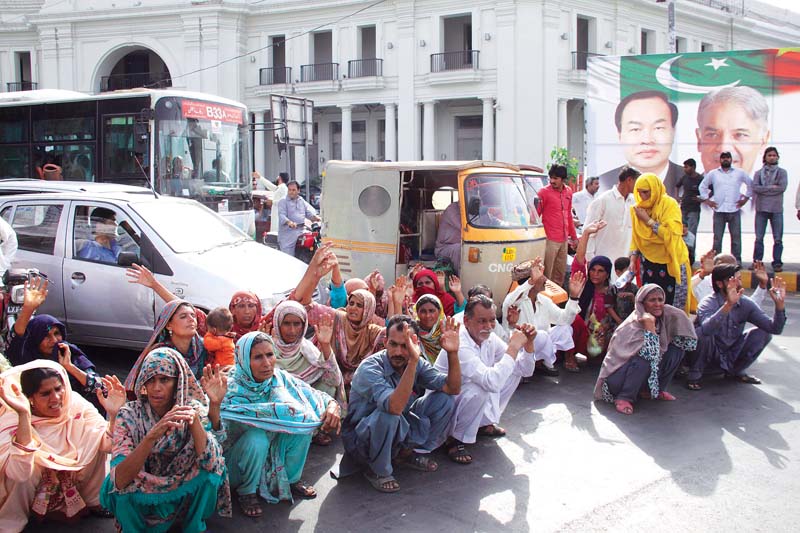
point(653, 112)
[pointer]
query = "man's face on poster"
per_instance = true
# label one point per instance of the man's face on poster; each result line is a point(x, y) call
point(727, 127)
point(646, 134)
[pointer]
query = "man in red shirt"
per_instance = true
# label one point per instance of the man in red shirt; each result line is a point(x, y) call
point(555, 208)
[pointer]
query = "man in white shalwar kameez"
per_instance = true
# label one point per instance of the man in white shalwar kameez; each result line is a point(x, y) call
point(553, 324)
point(490, 373)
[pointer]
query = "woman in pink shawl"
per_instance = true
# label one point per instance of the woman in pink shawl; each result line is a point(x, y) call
point(645, 351)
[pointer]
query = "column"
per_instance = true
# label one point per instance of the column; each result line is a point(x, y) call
point(260, 145)
point(429, 131)
point(487, 143)
point(347, 132)
point(562, 123)
point(390, 137)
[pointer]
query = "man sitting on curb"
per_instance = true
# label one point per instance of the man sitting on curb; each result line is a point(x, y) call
point(389, 418)
point(491, 371)
point(721, 318)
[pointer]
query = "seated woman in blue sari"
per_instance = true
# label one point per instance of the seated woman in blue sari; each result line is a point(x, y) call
point(167, 468)
point(269, 416)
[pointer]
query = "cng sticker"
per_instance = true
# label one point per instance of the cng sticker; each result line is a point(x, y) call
point(509, 254)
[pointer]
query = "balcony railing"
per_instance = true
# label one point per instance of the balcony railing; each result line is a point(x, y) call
point(15, 86)
point(580, 59)
point(361, 68)
point(319, 72)
point(275, 75)
point(155, 80)
point(461, 59)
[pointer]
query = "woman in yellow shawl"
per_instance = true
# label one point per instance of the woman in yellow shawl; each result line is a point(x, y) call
point(658, 241)
point(430, 316)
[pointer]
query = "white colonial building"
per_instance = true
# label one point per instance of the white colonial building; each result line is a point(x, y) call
point(392, 79)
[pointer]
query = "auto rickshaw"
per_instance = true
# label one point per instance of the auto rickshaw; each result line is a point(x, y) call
point(387, 215)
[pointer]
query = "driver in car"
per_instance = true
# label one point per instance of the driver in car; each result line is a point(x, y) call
point(104, 247)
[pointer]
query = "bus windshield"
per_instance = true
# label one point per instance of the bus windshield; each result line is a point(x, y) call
point(498, 202)
point(200, 148)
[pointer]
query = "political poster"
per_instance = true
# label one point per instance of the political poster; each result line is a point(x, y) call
point(653, 112)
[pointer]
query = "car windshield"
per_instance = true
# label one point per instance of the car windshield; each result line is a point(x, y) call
point(499, 201)
point(188, 226)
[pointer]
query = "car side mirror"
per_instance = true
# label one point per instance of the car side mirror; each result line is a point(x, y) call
point(127, 259)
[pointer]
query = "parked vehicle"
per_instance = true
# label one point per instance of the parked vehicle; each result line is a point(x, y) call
point(308, 242)
point(195, 253)
point(386, 216)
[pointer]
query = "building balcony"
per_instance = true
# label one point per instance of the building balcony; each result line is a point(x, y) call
point(580, 59)
point(275, 75)
point(319, 72)
point(363, 68)
point(152, 80)
point(459, 60)
point(15, 86)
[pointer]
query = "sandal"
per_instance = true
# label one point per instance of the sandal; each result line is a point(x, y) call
point(752, 380)
point(624, 406)
point(491, 430)
point(250, 506)
point(571, 363)
point(322, 439)
point(693, 385)
point(420, 462)
point(666, 396)
point(304, 491)
point(458, 453)
point(387, 484)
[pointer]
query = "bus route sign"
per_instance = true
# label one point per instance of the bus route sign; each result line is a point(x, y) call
point(207, 111)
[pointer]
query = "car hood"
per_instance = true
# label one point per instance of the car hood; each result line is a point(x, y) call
point(251, 266)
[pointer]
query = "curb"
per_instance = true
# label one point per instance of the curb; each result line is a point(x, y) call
point(748, 280)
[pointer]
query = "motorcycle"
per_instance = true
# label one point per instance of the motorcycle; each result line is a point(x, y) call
point(13, 296)
point(307, 243)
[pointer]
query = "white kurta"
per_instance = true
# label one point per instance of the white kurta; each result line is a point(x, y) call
point(614, 240)
point(489, 377)
point(580, 203)
point(8, 245)
point(280, 193)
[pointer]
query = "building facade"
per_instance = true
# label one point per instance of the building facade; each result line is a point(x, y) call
point(390, 80)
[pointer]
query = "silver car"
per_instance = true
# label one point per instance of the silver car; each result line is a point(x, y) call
point(195, 253)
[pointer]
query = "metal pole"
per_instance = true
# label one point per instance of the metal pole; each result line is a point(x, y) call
point(305, 149)
point(673, 43)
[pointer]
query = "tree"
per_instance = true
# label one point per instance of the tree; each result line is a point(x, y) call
point(560, 156)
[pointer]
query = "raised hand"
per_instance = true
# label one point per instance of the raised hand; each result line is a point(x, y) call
point(455, 283)
point(733, 292)
point(760, 273)
point(141, 275)
point(214, 383)
point(594, 227)
point(778, 292)
point(449, 341)
point(324, 329)
point(376, 282)
point(412, 343)
point(179, 417)
point(35, 292)
point(15, 399)
point(707, 262)
point(537, 270)
point(512, 316)
point(576, 284)
point(115, 396)
point(414, 269)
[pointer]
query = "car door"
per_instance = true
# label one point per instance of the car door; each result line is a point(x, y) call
point(101, 306)
point(40, 226)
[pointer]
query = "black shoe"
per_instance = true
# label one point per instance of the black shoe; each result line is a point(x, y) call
point(547, 371)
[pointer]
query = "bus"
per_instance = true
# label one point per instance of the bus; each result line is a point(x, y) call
point(180, 143)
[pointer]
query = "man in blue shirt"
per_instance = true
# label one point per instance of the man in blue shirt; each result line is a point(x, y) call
point(391, 418)
point(727, 201)
point(104, 247)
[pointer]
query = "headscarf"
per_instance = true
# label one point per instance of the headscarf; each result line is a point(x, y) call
point(67, 442)
point(301, 358)
point(161, 338)
point(282, 404)
point(172, 466)
point(430, 341)
point(38, 328)
point(353, 342)
point(448, 302)
point(628, 338)
point(667, 247)
point(586, 299)
point(245, 296)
